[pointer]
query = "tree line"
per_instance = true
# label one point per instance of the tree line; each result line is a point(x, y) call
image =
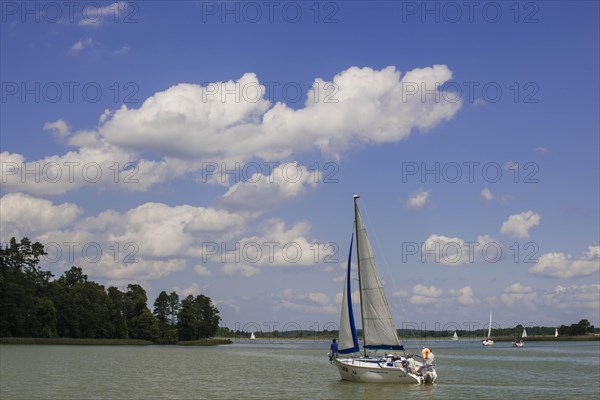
point(72, 306)
point(583, 327)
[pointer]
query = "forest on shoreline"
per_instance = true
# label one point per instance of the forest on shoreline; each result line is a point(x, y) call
point(34, 308)
point(74, 307)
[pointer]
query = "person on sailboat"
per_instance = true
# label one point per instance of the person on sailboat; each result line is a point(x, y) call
point(333, 350)
point(428, 357)
point(410, 363)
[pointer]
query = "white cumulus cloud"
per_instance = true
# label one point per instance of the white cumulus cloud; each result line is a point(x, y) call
point(518, 225)
point(81, 44)
point(561, 265)
point(418, 200)
point(59, 128)
point(95, 16)
point(518, 295)
point(261, 192)
point(189, 125)
point(370, 106)
point(573, 297)
point(487, 194)
point(425, 294)
point(23, 215)
point(464, 296)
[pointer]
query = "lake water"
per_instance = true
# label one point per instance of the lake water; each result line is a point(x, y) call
point(291, 370)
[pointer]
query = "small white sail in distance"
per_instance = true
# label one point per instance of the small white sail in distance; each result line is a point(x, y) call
point(556, 332)
point(524, 335)
point(252, 337)
point(488, 341)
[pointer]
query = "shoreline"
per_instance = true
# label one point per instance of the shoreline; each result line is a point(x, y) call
point(224, 341)
point(108, 342)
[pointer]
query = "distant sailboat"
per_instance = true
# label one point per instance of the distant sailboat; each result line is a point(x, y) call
point(252, 337)
point(455, 337)
point(378, 330)
point(488, 341)
point(520, 342)
point(556, 332)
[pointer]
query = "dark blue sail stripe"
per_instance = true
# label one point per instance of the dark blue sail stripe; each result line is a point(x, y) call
point(355, 348)
point(384, 347)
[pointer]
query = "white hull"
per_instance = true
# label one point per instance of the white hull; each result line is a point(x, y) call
point(370, 370)
point(487, 342)
point(518, 343)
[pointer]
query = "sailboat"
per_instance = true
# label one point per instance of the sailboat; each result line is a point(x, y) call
point(520, 342)
point(556, 332)
point(488, 341)
point(378, 329)
point(455, 337)
point(252, 337)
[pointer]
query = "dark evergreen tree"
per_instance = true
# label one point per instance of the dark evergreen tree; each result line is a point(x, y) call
point(161, 308)
point(167, 334)
point(83, 306)
point(173, 308)
point(140, 321)
point(117, 312)
point(208, 316)
point(24, 307)
point(197, 318)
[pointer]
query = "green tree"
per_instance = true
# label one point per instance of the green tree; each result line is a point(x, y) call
point(141, 323)
point(135, 301)
point(208, 317)
point(197, 318)
point(24, 307)
point(161, 308)
point(187, 319)
point(582, 328)
point(83, 307)
point(117, 312)
point(144, 326)
point(173, 308)
point(167, 334)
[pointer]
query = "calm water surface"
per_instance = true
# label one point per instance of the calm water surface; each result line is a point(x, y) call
point(290, 370)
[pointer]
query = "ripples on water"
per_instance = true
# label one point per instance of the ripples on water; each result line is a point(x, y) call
point(292, 370)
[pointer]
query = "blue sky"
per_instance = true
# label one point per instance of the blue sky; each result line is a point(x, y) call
point(140, 85)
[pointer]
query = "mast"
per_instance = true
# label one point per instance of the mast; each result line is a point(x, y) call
point(490, 328)
point(356, 197)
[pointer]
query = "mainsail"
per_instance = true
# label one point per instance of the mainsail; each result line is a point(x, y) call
point(379, 331)
point(524, 335)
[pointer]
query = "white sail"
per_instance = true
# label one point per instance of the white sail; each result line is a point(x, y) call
point(455, 337)
point(555, 332)
point(488, 341)
point(378, 326)
point(252, 337)
point(524, 335)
